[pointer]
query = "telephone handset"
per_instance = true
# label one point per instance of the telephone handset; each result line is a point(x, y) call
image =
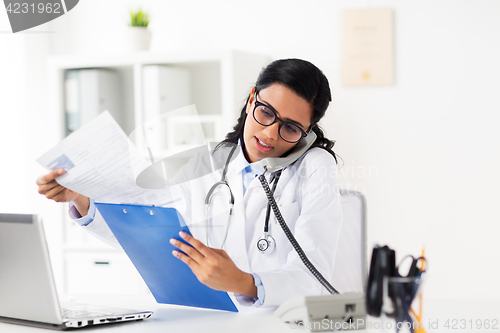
point(275, 164)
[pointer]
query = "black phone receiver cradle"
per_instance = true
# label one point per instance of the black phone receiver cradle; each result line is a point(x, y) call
point(386, 283)
point(383, 263)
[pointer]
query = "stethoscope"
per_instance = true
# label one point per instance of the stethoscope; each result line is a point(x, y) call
point(266, 244)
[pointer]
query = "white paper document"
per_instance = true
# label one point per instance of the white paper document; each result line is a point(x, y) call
point(101, 163)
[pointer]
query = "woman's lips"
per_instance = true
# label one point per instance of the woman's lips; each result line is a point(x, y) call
point(260, 147)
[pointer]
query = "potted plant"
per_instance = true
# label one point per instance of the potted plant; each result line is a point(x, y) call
point(139, 34)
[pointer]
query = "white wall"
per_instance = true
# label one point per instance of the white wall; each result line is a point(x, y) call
point(25, 132)
point(424, 151)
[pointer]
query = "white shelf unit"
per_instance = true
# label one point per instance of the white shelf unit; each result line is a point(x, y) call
point(219, 82)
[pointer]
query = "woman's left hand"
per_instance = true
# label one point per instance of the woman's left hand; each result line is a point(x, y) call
point(213, 267)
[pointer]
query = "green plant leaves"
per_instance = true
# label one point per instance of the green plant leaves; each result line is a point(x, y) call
point(139, 18)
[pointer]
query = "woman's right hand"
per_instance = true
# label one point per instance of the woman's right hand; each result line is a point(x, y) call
point(51, 189)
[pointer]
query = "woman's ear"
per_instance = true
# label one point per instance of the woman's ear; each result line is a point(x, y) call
point(250, 100)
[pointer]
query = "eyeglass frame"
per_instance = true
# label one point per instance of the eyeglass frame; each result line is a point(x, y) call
point(276, 118)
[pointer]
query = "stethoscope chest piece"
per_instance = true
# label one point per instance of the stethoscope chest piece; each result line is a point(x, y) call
point(266, 244)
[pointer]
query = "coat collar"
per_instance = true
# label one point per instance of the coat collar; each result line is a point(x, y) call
point(240, 162)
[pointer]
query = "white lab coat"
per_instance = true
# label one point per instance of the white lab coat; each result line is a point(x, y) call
point(309, 200)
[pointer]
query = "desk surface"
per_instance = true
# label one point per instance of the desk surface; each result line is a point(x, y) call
point(171, 318)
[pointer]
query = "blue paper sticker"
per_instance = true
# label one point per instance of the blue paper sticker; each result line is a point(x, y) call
point(61, 162)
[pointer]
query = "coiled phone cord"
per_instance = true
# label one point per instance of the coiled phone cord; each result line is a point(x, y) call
point(291, 238)
point(275, 178)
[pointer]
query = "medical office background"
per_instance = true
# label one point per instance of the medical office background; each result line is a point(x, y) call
point(424, 151)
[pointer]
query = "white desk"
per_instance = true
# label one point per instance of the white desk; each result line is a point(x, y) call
point(170, 318)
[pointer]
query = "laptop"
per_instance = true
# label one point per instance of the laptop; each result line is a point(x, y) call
point(27, 290)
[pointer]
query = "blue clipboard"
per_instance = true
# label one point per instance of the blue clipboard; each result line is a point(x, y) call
point(144, 233)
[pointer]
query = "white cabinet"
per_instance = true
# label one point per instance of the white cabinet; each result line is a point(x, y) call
point(210, 89)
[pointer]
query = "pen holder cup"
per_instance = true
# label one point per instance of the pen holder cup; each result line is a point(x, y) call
point(398, 295)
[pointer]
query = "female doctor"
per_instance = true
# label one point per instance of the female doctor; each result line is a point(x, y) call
point(289, 98)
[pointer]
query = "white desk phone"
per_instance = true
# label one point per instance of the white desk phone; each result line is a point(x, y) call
point(325, 313)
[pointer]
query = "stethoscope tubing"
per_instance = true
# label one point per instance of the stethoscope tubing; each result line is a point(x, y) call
point(209, 196)
point(223, 182)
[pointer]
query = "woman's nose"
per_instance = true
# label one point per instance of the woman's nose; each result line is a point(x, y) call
point(272, 131)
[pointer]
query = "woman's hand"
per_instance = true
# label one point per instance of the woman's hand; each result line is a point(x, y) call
point(213, 267)
point(50, 188)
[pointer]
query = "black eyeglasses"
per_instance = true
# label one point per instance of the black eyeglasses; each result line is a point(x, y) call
point(266, 116)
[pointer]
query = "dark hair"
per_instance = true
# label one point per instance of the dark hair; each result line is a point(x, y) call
point(307, 81)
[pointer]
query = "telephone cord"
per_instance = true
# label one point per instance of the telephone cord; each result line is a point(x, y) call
point(292, 239)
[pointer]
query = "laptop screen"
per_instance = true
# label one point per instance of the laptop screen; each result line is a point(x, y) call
point(26, 281)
